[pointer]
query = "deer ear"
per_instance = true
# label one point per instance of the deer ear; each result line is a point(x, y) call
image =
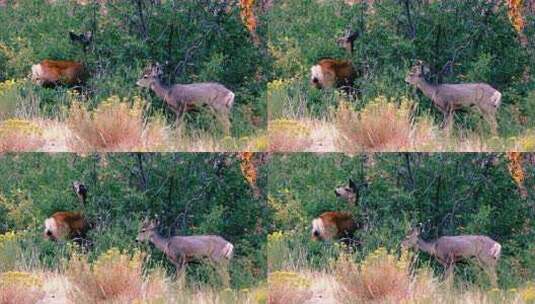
point(352, 185)
point(426, 69)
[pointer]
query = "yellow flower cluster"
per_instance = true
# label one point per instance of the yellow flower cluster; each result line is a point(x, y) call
point(20, 126)
point(288, 278)
point(20, 279)
point(528, 294)
point(8, 236)
point(7, 85)
point(279, 84)
point(276, 236)
point(291, 127)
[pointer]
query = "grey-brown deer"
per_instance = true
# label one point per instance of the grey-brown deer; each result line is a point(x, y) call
point(449, 250)
point(449, 98)
point(182, 98)
point(181, 250)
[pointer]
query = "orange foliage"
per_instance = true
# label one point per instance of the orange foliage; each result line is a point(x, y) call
point(248, 17)
point(515, 8)
point(517, 171)
point(249, 171)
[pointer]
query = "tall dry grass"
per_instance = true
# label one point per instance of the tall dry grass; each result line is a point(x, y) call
point(115, 126)
point(114, 277)
point(381, 126)
point(288, 287)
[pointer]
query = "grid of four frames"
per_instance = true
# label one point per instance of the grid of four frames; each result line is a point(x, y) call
point(268, 151)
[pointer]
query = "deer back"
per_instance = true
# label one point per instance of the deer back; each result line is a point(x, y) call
point(212, 94)
point(465, 246)
point(52, 72)
point(468, 94)
point(65, 225)
point(210, 246)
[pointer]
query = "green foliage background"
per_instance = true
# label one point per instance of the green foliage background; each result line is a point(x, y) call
point(195, 40)
point(450, 194)
point(191, 193)
point(482, 44)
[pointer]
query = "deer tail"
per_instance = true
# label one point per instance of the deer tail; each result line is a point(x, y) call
point(228, 251)
point(496, 250)
point(230, 100)
point(496, 99)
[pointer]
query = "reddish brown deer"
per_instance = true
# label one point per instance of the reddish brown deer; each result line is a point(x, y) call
point(68, 225)
point(186, 97)
point(181, 250)
point(330, 73)
point(65, 225)
point(334, 225)
point(449, 98)
point(58, 72)
point(449, 250)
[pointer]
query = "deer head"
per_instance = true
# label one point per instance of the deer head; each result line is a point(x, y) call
point(84, 39)
point(417, 72)
point(411, 240)
point(147, 230)
point(347, 40)
point(349, 192)
point(150, 75)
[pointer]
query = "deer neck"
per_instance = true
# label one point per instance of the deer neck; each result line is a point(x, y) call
point(427, 247)
point(159, 241)
point(160, 89)
point(428, 89)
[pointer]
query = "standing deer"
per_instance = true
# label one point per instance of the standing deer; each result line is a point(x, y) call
point(448, 98)
point(186, 97)
point(338, 224)
point(449, 250)
point(181, 250)
point(68, 224)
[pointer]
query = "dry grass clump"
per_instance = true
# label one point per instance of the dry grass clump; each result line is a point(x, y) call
point(381, 126)
point(288, 287)
point(20, 288)
point(288, 136)
point(381, 277)
point(115, 126)
point(20, 136)
point(114, 277)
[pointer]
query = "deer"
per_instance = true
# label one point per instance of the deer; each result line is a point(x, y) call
point(68, 225)
point(329, 73)
point(181, 98)
point(448, 98)
point(448, 250)
point(338, 225)
point(51, 73)
point(180, 250)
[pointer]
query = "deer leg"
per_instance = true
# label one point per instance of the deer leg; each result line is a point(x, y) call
point(223, 119)
point(491, 119)
point(179, 114)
